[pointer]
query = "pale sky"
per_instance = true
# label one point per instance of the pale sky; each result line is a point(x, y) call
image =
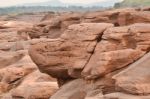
point(4, 3)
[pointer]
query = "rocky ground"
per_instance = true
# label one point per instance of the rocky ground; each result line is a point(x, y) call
point(68, 55)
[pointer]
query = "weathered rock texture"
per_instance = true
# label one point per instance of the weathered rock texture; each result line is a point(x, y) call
point(54, 24)
point(119, 47)
point(19, 76)
point(93, 51)
point(72, 51)
point(92, 55)
point(135, 79)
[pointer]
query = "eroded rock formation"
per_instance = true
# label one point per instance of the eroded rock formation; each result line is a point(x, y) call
point(53, 25)
point(93, 55)
point(19, 76)
point(72, 51)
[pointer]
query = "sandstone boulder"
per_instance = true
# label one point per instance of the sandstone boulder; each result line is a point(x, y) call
point(141, 34)
point(119, 17)
point(71, 51)
point(54, 27)
point(121, 37)
point(91, 60)
point(81, 89)
point(9, 36)
point(35, 86)
point(69, 19)
point(13, 74)
point(108, 16)
point(117, 40)
point(21, 79)
point(101, 64)
point(11, 77)
point(48, 29)
point(41, 90)
point(135, 79)
point(101, 16)
point(9, 58)
point(127, 18)
point(15, 46)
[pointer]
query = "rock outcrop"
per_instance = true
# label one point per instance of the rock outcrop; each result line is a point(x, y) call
point(72, 55)
point(80, 89)
point(19, 76)
point(135, 79)
point(116, 51)
point(9, 58)
point(126, 18)
point(71, 51)
point(36, 85)
point(109, 49)
point(53, 25)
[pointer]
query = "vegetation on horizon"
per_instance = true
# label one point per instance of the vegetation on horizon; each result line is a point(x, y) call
point(133, 3)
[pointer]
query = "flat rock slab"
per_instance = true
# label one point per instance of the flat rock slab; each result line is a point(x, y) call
point(136, 78)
